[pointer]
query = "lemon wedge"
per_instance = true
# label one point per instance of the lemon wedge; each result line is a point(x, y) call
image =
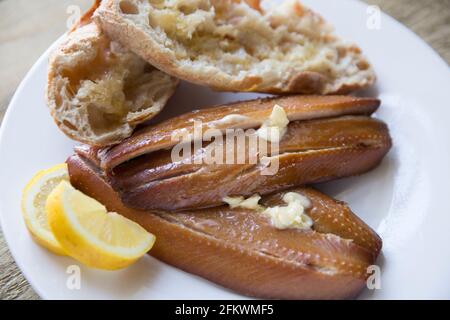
point(34, 197)
point(90, 234)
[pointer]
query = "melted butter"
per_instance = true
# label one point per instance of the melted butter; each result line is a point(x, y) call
point(229, 119)
point(275, 127)
point(291, 216)
point(240, 202)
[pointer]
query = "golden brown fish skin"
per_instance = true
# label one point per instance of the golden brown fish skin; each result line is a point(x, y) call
point(297, 107)
point(240, 250)
point(310, 152)
point(333, 133)
point(202, 189)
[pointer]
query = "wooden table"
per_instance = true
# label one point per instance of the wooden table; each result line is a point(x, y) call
point(28, 27)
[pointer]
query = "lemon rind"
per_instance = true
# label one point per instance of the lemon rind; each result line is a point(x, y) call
point(80, 244)
point(43, 237)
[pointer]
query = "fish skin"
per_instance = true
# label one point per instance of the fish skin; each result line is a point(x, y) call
point(240, 250)
point(297, 107)
point(311, 151)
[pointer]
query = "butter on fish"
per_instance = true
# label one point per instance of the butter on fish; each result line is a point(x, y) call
point(275, 127)
point(291, 216)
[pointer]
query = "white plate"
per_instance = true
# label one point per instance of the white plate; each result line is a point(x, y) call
point(406, 199)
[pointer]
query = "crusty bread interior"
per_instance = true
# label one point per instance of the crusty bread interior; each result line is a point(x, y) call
point(236, 45)
point(98, 91)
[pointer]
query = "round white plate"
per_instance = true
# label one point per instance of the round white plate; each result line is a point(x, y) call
point(406, 199)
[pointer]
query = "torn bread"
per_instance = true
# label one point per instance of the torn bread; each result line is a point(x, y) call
point(98, 91)
point(234, 45)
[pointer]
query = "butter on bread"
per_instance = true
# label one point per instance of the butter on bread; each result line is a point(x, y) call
point(234, 45)
point(98, 91)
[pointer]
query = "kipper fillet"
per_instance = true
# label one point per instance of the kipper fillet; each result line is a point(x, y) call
point(328, 138)
point(253, 113)
point(240, 249)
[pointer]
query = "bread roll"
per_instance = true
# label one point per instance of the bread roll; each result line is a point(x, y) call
point(234, 45)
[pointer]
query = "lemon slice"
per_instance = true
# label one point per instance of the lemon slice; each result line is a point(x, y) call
point(90, 234)
point(34, 197)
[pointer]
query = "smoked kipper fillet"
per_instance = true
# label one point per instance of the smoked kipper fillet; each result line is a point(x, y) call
point(240, 250)
point(234, 45)
point(331, 146)
point(253, 113)
point(310, 152)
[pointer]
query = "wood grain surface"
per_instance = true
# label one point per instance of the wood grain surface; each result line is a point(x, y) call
point(28, 27)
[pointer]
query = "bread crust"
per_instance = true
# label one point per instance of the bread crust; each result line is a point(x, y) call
point(81, 62)
point(135, 32)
